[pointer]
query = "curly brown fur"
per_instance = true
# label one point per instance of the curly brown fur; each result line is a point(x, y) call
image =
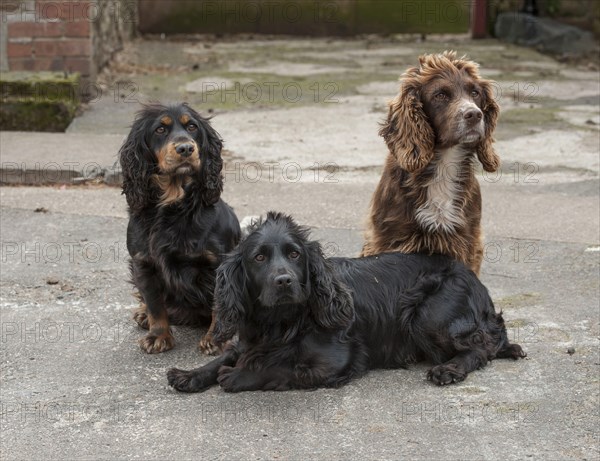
point(428, 199)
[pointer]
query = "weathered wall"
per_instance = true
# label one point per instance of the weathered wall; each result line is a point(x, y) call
point(66, 35)
point(306, 17)
point(580, 13)
point(115, 24)
point(43, 36)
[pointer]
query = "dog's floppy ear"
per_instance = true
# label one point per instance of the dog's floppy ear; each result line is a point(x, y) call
point(330, 301)
point(210, 144)
point(485, 151)
point(407, 132)
point(230, 297)
point(137, 166)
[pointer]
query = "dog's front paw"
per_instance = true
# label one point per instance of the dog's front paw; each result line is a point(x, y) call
point(186, 381)
point(141, 317)
point(181, 380)
point(156, 343)
point(446, 373)
point(208, 346)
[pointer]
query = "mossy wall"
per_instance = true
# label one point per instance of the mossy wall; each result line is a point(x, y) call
point(304, 17)
point(38, 101)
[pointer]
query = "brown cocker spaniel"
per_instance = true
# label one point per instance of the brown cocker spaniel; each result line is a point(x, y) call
point(428, 199)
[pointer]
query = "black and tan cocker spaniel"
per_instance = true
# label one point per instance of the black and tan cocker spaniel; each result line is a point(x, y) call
point(179, 228)
point(428, 199)
point(305, 321)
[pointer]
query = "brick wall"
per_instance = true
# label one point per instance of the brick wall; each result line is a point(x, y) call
point(65, 35)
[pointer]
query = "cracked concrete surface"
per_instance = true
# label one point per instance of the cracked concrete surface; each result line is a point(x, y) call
point(76, 385)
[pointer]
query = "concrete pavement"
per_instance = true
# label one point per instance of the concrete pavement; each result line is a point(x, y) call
point(74, 383)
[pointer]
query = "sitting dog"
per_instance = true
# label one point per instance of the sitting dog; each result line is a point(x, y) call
point(305, 321)
point(179, 228)
point(428, 199)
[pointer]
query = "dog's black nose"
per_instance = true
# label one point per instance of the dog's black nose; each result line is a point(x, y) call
point(472, 115)
point(283, 280)
point(185, 150)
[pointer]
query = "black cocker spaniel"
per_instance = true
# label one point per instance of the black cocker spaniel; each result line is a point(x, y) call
point(179, 228)
point(305, 321)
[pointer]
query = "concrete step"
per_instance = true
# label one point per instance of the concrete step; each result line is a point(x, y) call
point(48, 158)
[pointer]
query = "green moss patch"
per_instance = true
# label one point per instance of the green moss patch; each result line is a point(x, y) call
point(38, 101)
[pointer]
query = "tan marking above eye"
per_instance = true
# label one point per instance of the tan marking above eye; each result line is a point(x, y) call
point(184, 119)
point(166, 120)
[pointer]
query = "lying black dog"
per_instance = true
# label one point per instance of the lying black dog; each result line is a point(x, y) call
point(305, 321)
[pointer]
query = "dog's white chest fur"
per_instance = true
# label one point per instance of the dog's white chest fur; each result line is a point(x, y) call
point(441, 210)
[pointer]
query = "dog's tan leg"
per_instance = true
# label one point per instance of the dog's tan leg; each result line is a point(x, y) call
point(140, 315)
point(206, 344)
point(159, 338)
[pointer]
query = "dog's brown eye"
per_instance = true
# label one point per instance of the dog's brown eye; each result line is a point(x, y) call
point(160, 130)
point(475, 93)
point(441, 96)
point(259, 258)
point(192, 127)
point(294, 255)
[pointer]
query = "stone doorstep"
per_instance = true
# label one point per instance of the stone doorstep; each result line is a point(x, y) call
point(54, 84)
point(38, 101)
point(34, 158)
point(32, 114)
